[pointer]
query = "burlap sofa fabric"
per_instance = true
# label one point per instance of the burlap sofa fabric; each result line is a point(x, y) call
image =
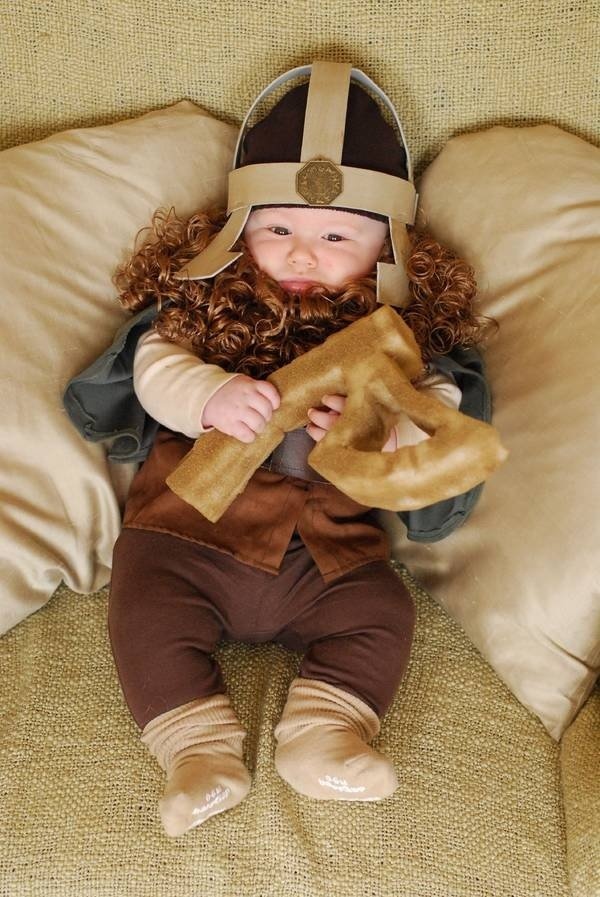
point(449, 66)
point(580, 765)
point(478, 811)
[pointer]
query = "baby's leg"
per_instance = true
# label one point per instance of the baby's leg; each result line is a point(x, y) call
point(164, 626)
point(323, 749)
point(199, 746)
point(359, 634)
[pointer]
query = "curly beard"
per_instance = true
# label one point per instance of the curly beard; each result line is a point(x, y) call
point(249, 324)
point(245, 322)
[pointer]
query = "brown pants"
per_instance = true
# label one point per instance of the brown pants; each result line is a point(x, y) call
point(172, 601)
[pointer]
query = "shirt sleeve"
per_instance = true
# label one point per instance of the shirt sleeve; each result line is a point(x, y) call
point(438, 386)
point(173, 384)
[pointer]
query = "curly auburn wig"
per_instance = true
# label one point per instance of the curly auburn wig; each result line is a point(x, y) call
point(246, 322)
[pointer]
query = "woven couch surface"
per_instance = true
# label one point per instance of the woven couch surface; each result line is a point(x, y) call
point(580, 775)
point(448, 67)
point(478, 811)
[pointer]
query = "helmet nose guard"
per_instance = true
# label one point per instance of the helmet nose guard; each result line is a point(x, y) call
point(319, 179)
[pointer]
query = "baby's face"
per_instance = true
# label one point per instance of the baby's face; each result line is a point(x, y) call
point(300, 246)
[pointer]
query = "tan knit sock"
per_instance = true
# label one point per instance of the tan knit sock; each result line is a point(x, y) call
point(322, 746)
point(199, 745)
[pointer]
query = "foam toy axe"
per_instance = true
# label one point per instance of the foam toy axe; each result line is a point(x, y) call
point(372, 362)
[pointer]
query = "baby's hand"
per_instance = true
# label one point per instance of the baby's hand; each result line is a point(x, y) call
point(323, 419)
point(242, 407)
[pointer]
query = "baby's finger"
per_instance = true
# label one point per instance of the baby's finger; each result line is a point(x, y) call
point(242, 432)
point(253, 420)
point(262, 405)
point(269, 391)
point(335, 402)
point(315, 432)
point(322, 419)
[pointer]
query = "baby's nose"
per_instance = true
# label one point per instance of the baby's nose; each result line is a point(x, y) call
point(301, 254)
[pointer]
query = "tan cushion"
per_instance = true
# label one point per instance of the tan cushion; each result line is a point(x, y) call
point(70, 207)
point(521, 577)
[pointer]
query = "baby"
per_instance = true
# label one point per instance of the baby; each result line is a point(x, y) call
point(293, 559)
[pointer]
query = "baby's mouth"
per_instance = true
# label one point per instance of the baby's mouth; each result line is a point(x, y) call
point(296, 286)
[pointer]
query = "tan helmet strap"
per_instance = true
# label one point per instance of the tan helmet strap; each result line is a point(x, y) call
point(392, 285)
point(276, 184)
point(216, 257)
point(392, 279)
point(326, 106)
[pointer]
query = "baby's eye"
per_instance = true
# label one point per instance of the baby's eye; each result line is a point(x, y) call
point(280, 231)
point(334, 238)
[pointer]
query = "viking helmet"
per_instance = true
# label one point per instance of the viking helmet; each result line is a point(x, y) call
point(326, 170)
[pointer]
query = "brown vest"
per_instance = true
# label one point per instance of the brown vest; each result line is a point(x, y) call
point(258, 526)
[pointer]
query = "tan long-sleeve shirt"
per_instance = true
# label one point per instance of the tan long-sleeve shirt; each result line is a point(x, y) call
point(174, 385)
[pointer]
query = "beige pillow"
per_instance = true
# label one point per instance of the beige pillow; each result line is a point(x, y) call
point(70, 207)
point(522, 576)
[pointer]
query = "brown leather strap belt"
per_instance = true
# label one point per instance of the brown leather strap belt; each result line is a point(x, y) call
point(290, 457)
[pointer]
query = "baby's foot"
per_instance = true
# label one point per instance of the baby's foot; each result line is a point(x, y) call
point(330, 763)
point(200, 787)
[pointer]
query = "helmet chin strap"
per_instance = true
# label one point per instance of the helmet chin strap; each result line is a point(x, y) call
point(217, 255)
point(318, 180)
point(392, 280)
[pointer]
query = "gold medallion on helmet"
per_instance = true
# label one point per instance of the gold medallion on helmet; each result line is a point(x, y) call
point(319, 182)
